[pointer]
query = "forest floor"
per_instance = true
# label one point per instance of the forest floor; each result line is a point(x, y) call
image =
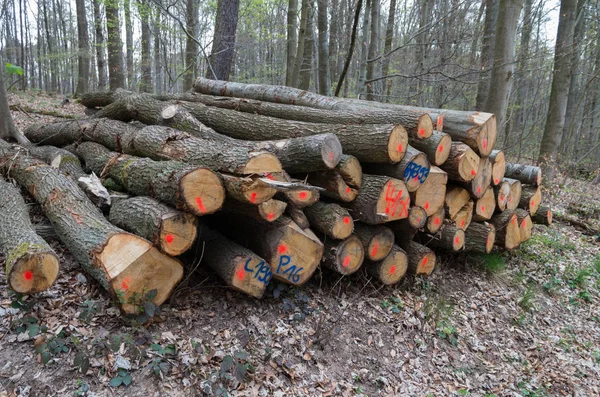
point(523, 323)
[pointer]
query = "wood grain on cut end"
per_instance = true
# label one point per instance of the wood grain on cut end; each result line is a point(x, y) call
point(33, 272)
point(515, 194)
point(202, 191)
point(247, 276)
point(502, 194)
point(435, 221)
point(271, 210)
point(458, 240)
point(397, 143)
point(525, 224)
point(508, 234)
point(351, 171)
point(262, 164)
point(391, 268)
point(543, 216)
point(377, 240)
point(417, 217)
point(334, 185)
point(443, 149)
point(468, 165)
point(486, 139)
point(531, 198)
point(331, 219)
point(485, 206)
point(344, 257)
point(480, 237)
point(421, 260)
point(247, 189)
point(498, 166)
point(463, 218)
point(177, 233)
point(424, 126)
point(393, 200)
point(432, 193)
point(482, 180)
point(456, 199)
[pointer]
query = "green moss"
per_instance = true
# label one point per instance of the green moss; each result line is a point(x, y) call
point(124, 168)
point(19, 251)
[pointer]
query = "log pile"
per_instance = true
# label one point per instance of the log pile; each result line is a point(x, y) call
point(264, 182)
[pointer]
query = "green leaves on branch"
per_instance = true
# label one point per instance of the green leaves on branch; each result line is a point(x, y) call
point(13, 69)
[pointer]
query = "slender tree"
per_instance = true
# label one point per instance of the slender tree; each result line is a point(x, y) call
point(115, 45)
point(7, 125)
point(129, 42)
point(191, 48)
point(487, 52)
point(292, 42)
point(100, 45)
point(146, 60)
point(221, 57)
point(301, 43)
point(389, 37)
point(324, 65)
point(83, 56)
point(373, 48)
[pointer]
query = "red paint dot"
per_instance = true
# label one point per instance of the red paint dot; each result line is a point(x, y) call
point(374, 250)
point(346, 262)
point(387, 210)
point(346, 220)
point(400, 148)
point(496, 181)
point(271, 177)
point(169, 238)
point(437, 221)
point(457, 240)
point(473, 172)
point(331, 156)
point(532, 203)
point(548, 213)
point(125, 283)
point(348, 190)
point(483, 208)
point(270, 216)
point(441, 148)
point(240, 274)
point(28, 275)
point(419, 220)
point(425, 260)
point(282, 248)
point(421, 132)
point(393, 269)
point(479, 190)
point(485, 143)
point(199, 204)
point(416, 178)
point(514, 219)
point(462, 224)
point(426, 206)
point(302, 195)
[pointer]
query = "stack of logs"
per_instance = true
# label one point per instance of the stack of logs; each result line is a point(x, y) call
point(261, 181)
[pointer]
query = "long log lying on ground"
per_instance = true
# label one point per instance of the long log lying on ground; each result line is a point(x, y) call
point(158, 143)
point(498, 166)
point(293, 253)
point(476, 129)
point(184, 186)
point(331, 219)
point(480, 237)
point(239, 267)
point(527, 174)
point(436, 147)
point(421, 260)
point(432, 193)
point(391, 268)
point(508, 235)
point(125, 265)
point(350, 170)
point(103, 98)
point(531, 198)
point(525, 224)
point(485, 206)
point(172, 231)
point(30, 263)
point(543, 216)
point(413, 169)
point(344, 257)
point(449, 238)
point(462, 163)
point(377, 240)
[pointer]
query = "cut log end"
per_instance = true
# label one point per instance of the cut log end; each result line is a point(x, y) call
point(458, 241)
point(499, 167)
point(351, 171)
point(394, 200)
point(202, 191)
point(271, 210)
point(485, 206)
point(424, 126)
point(377, 240)
point(486, 139)
point(416, 171)
point(421, 260)
point(262, 164)
point(397, 144)
point(348, 258)
point(391, 268)
point(302, 198)
point(443, 149)
point(33, 272)
point(331, 151)
point(417, 217)
point(178, 233)
point(468, 165)
point(435, 221)
point(251, 275)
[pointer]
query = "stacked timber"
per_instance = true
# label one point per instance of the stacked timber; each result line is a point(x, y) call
point(261, 182)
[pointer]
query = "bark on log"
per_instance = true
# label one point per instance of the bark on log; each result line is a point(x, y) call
point(456, 199)
point(331, 219)
point(377, 240)
point(391, 268)
point(527, 174)
point(413, 169)
point(421, 260)
point(293, 253)
point(542, 216)
point(515, 194)
point(432, 193)
point(268, 211)
point(436, 221)
point(334, 185)
point(380, 199)
point(30, 263)
point(351, 171)
point(344, 257)
point(485, 206)
point(480, 237)
point(298, 216)
point(462, 163)
point(185, 187)
point(404, 233)
point(508, 235)
point(239, 267)
point(103, 98)
point(464, 216)
point(246, 189)
point(531, 198)
point(449, 237)
point(124, 264)
point(478, 186)
point(417, 217)
point(502, 193)
point(436, 147)
point(498, 166)
point(476, 129)
point(525, 224)
point(172, 231)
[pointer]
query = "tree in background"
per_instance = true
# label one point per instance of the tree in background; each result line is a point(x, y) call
point(221, 56)
point(83, 57)
point(116, 76)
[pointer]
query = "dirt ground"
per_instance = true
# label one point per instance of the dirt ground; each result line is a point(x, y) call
point(524, 323)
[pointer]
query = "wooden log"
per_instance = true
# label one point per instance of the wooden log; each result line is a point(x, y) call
point(391, 269)
point(498, 166)
point(380, 199)
point(171, 231)
point(527, 174)
point(298, 216)
point(344, 257)
point(462, 163)
point(531, 198)
point(403, 233)
point(432, 193)
point(301, 197)
point(334, 185)
point(542, 216)
point(412, 118)
point(449, 237)
point(30, 264)
point(417, 217)
point(456, 199)
point(476, 129)
point(268, 211)
point(502, 193)
point(376, 239)
point(485, 206)
point(435, 221)
point(125, 265)
point(525, 224)
point(158, 143)
point(436, 147)
point(293, 253)
point(185, 187)
point(515, 194)
point(478, 186)
point(102, 98)
point(240, 268)
point(480, 237)
point(351, 171)
point(464, 216)
point(246, 189)
point(331, 219)
point(508, 234)
point(421, 260)
point(413, 169)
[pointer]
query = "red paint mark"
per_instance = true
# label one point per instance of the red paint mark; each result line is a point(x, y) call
point(271, 177)
point(548, 214)
point(28, 275)
point(270, 216)
point(473, 172)
point(416, 178)
point(331, 156)
point(346, 262)
point(425, 260)
point(514, 219)
point(532, 203)
point(253, 197)
point(440, 122)
point(509, 199)
point(125, 283)
point(393, 269)
point(437, 221)
point(400, 148)
point(282, 248)
point(240, 274)
point(302, 195)
point(501, 197)
point(419, 220)
point(478, 189)
point(421, 132)
point(169, 238)
point(395, 204)
point(483, 208)
point(346, 220)
point(457, 240)
point(441, 148)
point(374, 250)
point(199, 204)
point(485, 143)
point(426, 206)
point(496, 181)
point(462, 224)
point(348, 190)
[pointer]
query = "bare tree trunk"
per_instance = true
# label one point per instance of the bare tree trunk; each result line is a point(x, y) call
point(7, 126)
point(292, 42)
point(504, 54)
point(307, 56)
point(364, 48)
point(100, 59)
point(115, 46)
point(129, 42)
point(324, 66)
point(191, 48)
point(389, 37)
point(350, 51)
point(146, 63)
point(487, 53)
point(221, 58)
point(83, 58)
point(301, 43)
point(373, 48)
point(420, 51)
point(158, 72)
point(559, 92)
point(334, 52)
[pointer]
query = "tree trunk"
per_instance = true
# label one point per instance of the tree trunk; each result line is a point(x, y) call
point(129, 43)
point(389, 37)
point(531, 198)
point(542, 216)
point(30, 263)
point(449, 237)
point(480, 237)
point(559, 93)
point(307, 56)
point(390, 269)
point(324, 65)
point(525, 224)
point(373, 48)
point(528, 174)
point(7, 125)
point(334, 185)
point(364, 48)
point(115, 46)
point(298, 216)
point(221, 58)
point(487, 53)
point(344, 257)
point(83, 58)
point(269, 210)
point(299, 60)
point(292, 42)
point(331, 219)
point(350, 170)
point(100, 59)
point(171, 231)
point(191, 48)
point(146, 61)
point(377, 240)
point(421, 260)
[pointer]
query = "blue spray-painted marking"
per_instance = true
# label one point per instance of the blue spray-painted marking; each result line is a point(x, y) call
point(261, 271)
point(414, 170)
point(292, 273)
